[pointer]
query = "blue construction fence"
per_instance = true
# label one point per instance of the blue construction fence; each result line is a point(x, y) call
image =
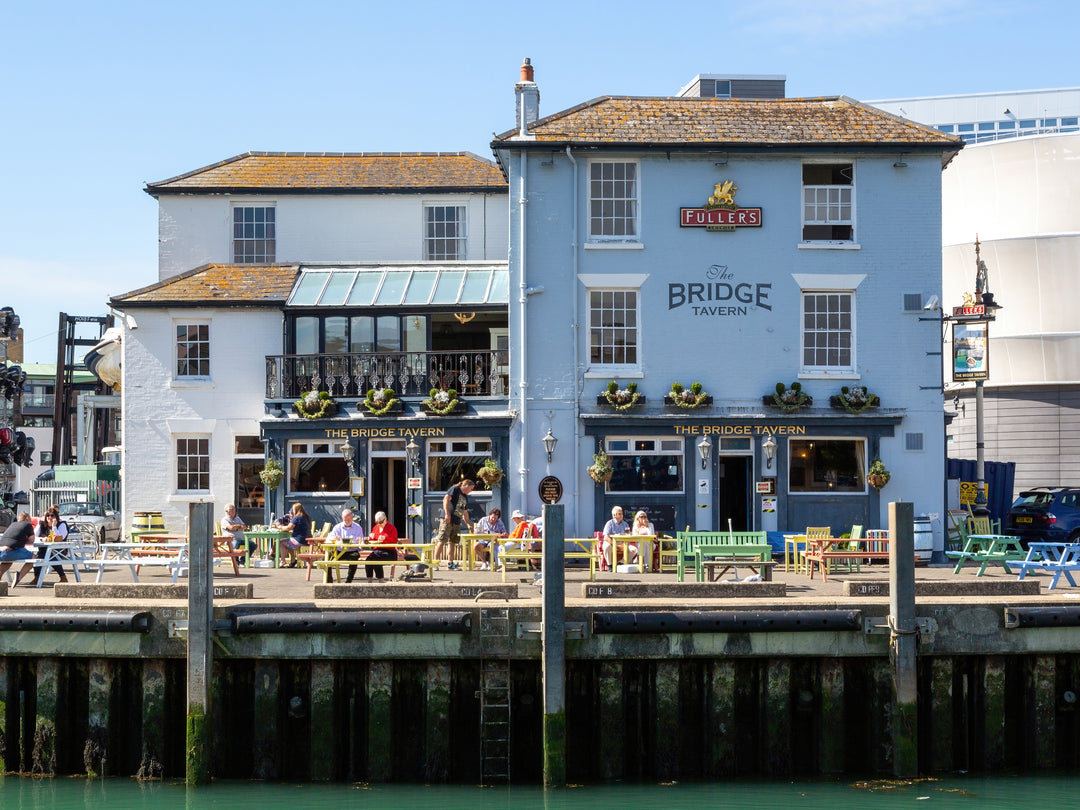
point(999, 483)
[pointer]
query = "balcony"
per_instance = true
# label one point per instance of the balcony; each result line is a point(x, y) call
point(481, 373)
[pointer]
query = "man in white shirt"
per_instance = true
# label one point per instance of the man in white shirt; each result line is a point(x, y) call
point(232, 525)
point(348, 531)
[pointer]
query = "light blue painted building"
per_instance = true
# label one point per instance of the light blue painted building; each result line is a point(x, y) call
point(739, 244)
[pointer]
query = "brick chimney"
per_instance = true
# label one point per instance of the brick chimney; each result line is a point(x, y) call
point(527, 108)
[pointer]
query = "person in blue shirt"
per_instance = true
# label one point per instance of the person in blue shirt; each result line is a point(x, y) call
point(298, 523)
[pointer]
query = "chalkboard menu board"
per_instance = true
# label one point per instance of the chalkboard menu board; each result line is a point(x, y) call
point(661, 515)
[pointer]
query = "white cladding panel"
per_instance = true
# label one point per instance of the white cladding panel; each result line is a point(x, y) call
point(196, 230)
point(158, 409)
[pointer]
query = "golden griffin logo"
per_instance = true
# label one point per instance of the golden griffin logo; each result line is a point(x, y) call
point(723, 194)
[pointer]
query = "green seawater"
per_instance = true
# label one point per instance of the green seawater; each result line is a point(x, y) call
point(983, 793)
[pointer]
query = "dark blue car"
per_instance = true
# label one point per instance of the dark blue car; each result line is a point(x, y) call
point(1048, 514)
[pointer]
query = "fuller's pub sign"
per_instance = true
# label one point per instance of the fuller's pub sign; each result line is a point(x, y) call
point(720, 213)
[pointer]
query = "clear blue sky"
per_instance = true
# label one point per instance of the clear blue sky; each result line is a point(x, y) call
point(101, 98)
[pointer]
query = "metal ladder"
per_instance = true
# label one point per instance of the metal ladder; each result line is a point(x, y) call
point(495, 696)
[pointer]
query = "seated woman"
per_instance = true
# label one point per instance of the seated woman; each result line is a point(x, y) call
point(298, 523)
point(642, 527)
point(51, 529)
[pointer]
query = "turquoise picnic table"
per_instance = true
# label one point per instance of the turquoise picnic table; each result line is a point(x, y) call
point(987, 550)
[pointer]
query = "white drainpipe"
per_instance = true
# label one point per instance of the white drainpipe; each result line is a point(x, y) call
point(523, 302)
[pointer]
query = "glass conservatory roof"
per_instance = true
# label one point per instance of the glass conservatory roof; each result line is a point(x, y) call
point(421, 285)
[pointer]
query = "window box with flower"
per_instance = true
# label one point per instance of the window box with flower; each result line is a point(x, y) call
point(687, 398)
point(442, 403)
point(315, 405)
point(854, 399)
point(380, 402)
point(621, 399)
point(789, 400)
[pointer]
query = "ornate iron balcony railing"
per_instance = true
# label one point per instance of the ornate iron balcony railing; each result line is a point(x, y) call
point(411, 374)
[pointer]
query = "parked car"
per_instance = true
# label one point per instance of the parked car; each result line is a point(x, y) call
point(1046, 514)
point(82, 515)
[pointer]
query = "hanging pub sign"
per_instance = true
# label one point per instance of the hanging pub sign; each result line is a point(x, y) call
point(720, 213)
point(970, 351)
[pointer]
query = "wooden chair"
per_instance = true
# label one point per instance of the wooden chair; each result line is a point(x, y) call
point(856, 533)
point(979, 525)
point(956, 531)
point(812, 533)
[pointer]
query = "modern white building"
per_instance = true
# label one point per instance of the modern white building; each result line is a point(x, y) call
point(1016, 187)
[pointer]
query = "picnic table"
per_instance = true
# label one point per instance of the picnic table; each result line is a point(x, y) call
point(644, 543)
point(1056, 558)
point(165, 554)
point(587, 549)
point(334, 556)
point(988, 549)
point(823, 550)
point(59, 552)
point(265, 538)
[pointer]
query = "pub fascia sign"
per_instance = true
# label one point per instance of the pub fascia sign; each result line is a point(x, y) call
point(720, 213)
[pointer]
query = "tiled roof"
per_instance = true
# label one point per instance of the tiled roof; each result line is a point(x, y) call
point(221, 284)
point(355, 173)
point(691, 122)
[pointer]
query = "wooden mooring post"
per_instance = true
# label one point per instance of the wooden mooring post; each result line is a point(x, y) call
point(200, 620)
point(554, 647)
point(904, 639)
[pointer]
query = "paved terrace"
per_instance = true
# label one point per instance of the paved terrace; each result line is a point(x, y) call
point(275, 589)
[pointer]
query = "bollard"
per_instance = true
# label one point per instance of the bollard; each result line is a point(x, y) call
point(200, 617)
point(554, 642)
point(904, 639)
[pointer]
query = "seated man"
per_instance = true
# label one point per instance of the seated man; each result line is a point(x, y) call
point(17, 544)
point(489, 524)
point(522, 529)
point(349, 531)
point(232, 525)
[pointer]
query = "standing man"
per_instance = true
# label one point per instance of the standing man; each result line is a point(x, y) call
point(456, 511)
point(348, 531)
point(232, 525)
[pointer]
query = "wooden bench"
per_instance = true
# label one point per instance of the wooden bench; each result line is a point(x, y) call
point(732, 542)
point(525, 556)
point(716, 568)
point(823, 558)
point(331, 565)
point(133, 565)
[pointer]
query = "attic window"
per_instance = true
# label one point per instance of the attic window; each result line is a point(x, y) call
point(828, 202)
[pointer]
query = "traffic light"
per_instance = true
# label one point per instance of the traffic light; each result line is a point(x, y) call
point(9, 323)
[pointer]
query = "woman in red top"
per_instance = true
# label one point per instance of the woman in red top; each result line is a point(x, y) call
point(384, 533)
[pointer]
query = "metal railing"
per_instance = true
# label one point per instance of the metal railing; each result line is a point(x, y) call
point(411, 374)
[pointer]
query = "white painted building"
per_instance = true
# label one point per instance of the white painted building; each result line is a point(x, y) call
point(217, 349)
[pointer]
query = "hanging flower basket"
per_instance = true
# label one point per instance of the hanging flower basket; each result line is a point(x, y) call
point(621, 399)
point(687, 399)
point(315, 405)
point(272, 474)
point(855, 399)
point(601, 470)
point(789, 400)
point(442, 403)
point(490, 473)
point(878, 475)
point(381, 402)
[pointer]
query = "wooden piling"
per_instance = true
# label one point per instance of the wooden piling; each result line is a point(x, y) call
point(554, 647)
point(904, 639)
point(197, 752)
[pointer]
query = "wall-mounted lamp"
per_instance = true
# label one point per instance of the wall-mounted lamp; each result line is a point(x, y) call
point(704, 449)
point(348, 452)
point(412, 450)
point(900, 162)
point(769, 448)
point(549, 443)
point(722, 161)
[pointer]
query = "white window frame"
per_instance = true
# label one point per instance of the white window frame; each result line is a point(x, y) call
point(269, 256)
point(618, 447)
point(332, 451)
point(188, 323)
point(625, 283)
point(828, 329)
point(829, 199)
point(634, 221)
point(461, 237)
point(828, 283)
point(177, 455)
